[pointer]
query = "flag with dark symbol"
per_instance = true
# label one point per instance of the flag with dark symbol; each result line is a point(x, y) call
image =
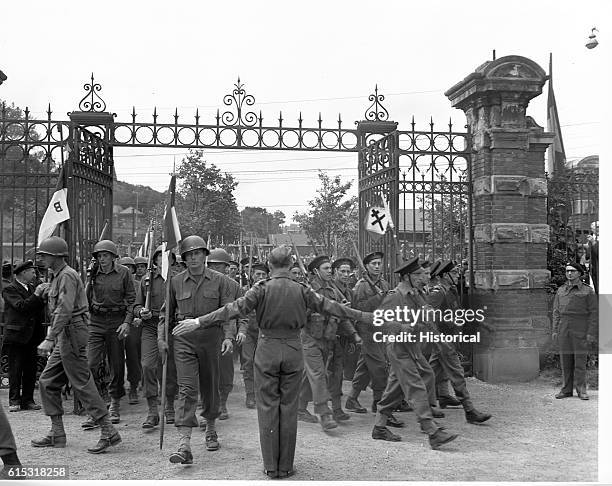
point(57, 211)
point(376, 220)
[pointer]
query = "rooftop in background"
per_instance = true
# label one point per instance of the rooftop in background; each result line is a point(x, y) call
point(591, 162)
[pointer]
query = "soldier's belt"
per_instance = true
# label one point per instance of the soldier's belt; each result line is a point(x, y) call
point(279, 333)
point(99, 309)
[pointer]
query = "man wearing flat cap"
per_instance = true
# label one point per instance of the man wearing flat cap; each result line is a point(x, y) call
point(575, 327)
point(24, 315)
point(372, 364)
point(410, 373)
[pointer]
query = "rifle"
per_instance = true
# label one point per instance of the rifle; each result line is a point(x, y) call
point(365, 273)
point(299, 259)
point(240, 267)
point(149, 275)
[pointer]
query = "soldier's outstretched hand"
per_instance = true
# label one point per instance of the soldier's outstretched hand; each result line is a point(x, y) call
point(227, 346)
point(123, 330)
point(240, 337)
point(183, 327)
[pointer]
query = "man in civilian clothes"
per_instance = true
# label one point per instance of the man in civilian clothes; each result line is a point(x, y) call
point(281, 305)
point(24, 315)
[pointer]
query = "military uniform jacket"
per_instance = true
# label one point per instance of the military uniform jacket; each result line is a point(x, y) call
point(113, 291)
point(23, 314)
point(67, 299)
point(327, 327)
point(280, 304)
point(366, 299)
point(401, 297)
point(158, 293)
point(575, 310)
point(190, 298)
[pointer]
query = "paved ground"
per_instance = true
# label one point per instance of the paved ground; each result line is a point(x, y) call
point(531, 437)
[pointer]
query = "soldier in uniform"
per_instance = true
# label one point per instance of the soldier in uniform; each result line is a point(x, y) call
point(281, 305)
point(444, 359)
point(67, 342)
point(372, 364)
point(410, 372)
point(132, 341)
point(24, 315)
point(8, 448)
point(247, 338)
point(218, 260)
point(111, 296)
point(575, 326)
point(149, 350)
point(141, 268)
point(296, 272)
point(232, 271)
point(195, 291)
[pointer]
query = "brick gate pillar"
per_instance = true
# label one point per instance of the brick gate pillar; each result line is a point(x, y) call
point(509, 215)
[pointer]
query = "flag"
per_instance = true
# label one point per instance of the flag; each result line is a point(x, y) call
point(105, 233)
point(376, 220)
point(171, 231)
point(146, 244)
point(388, 213)
point(57, 211)
point(556, 151)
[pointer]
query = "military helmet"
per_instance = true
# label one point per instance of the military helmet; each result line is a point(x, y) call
point(141, 261)
point(159, 249)
point(126, 260)
point(219, 255)
point(54, 245)
point(191, 243)
point(105, 245)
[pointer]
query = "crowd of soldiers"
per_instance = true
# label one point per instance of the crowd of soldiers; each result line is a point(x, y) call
point(294, 331)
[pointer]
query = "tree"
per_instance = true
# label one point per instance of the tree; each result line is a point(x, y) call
point(205, 201)
point(260, 223)
point(330, 221)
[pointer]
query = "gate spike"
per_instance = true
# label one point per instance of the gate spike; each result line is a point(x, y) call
point(133, 113)
point(176, 115)
point(450, 124)
point(431, 123)
point(300, 120)
point(27, 112)
point(49, 111)
point(320, 120)
point(260, 118)
point(154, 113)
point(412, 123)
point(280, 117)
point(197, 116)
point(339, 120)
point(217, 117)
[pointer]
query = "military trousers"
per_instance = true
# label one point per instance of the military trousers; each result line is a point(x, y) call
point(446, 365)
point(314, 378)
point(371, 368)
point(409, 374)
point(69, 363)
point(249, 345)
point(573, 351)
point(133, 356)
point(335, 370)
point(22, 360)
point(196, 356)
point(103, 338)
point(278, 374)
point(7, 439)
point(226, 377)
point(151, 362)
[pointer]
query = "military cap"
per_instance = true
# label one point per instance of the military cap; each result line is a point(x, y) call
point(232, 262)
point(21, 266)
point(434, 267)
point(577, 266)
point(126, 260)
point(247, 260)
point(260, 266)
point(343, 261)
point(373, 256)
point(444, 267)
point(141, 260)
point(409, 266)
point(317, 262)
point(296, 265)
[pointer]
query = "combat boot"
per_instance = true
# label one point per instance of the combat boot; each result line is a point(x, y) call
point(223, 415)
point(113, 410)
point(108, 436)
point(394, 422)
point(340, 415)
point(169, 412)
point(441, 437)
point(250, 400)
point(50, 440)
point(448, 401)
point(327, 422)
point(353, 405)
point(404, 406)
point(306, 416)
point(383, 433)
point(437, 413)
point(183, 456)
point(473, 416)
point(133, 396)
point(90, 424)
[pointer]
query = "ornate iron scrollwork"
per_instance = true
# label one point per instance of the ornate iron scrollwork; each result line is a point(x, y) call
point(89, 102)
point(239, 98)
point(376, 111)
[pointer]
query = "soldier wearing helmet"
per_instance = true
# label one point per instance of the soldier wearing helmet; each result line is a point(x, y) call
point(66, 343)
point(141, 267)
point(193, 292)
point(111, 296)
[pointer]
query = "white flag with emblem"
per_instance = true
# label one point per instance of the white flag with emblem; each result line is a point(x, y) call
point(57, 211)
point(376, 220)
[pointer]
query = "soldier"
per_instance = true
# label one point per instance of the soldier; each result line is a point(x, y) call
point(66, 343)
point(111, 296)
point(24, 315)
point(218, 260)
point(281, 306)
point(8, 448)
point(575, 326)
point(149, 351)
point(444, 359)
point(132, 341)
point(196, 291)
point(409, 369)
point(372, 364)
point(232, 271)
point(141, 267)
point(247, 338)
point(296, 272)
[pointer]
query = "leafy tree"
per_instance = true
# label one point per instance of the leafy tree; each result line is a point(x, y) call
point(260, 223)
point(330, 221)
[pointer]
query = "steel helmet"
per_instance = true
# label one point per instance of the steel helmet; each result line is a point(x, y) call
point(126, 260)
point(193, 243)
point(219, 255)
point(141, 261)
point(105, 245)
point(54, 245)
point(160, 249)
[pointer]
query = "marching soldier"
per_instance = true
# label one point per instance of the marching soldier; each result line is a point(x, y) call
point(444, 359)
point(111, 296)
point(232, 271)
point(141, 268)
point(372, 364)
point(247, 337)
point(149, 350)
point(575, 326)
point(281, 306)
point(193, 292)
point(410, 372)
point(132, 341)
point(296, 272)
point(67, 342)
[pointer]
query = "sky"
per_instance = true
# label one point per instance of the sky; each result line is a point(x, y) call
point(296, 57)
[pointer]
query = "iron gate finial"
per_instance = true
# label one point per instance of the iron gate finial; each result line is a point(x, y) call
point(89, 102)
point(376, 111)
